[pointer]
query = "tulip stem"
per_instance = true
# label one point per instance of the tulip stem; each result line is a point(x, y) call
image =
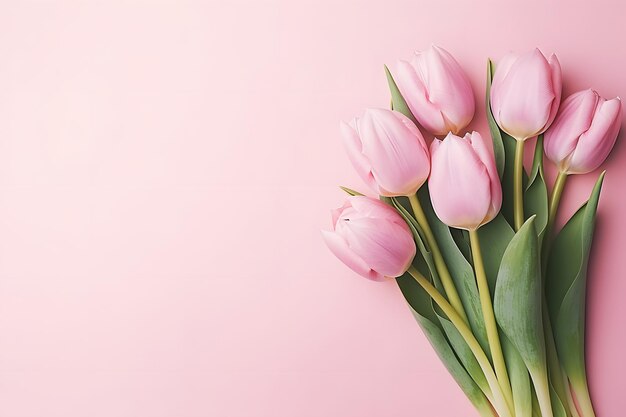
point(440, 264)
point(518, 199)
point(490, 320)
point(581, 390)
point(500, 402)
point(555, 199)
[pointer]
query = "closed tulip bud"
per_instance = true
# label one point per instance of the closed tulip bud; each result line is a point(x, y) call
point(371, 238)
point(464, 185)
point(583, 132)
point(437, 91)
point(387, 151)
point(525, 93)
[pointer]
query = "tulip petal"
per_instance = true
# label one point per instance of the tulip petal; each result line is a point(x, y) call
point(459, 184)
point(449, 89)
point(399, 161)
point(409, 79)
point(388, 247)
point(574, 118)
point(485, 154)
point(354, 149)
point(341, 250)
point(596, 143)
point(365, 207)
point(523, 97)
point(557, 86)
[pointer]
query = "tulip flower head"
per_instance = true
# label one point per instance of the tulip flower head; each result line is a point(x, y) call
point(464, 185)
point(525, 93)
point(583, 132)
point(437, 91)
point(388, 152)
point(371, 238)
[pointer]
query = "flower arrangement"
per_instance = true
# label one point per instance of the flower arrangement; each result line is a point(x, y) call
point(469, 235)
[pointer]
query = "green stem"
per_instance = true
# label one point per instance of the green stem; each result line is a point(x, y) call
point(542, 389)
point(440, 264)
point(490, 320)
point(555, 198)
point(553, 208)
point(581, 390)
point(518, 199)
point(499, 401)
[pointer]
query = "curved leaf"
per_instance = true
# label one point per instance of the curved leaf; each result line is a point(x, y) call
point(496, 136)
point(494, 237)
point(455, 339)
point(397, 101)
point(350, 191)
point(536, 193)
point(517, 299)
point(520, 380)
point(566, 282)
point(460, 269)
point(421, 307)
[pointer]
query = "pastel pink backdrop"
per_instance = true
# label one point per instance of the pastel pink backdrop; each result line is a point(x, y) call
point(165, 169)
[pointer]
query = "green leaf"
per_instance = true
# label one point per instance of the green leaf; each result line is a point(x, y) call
point(536, 193)
point(350, 191)
point(566, 282)
point(460, 269)
point(457, 342)
point(520, 380)
point(558, 409)
point(421, 307)
point(494, 237)
point(517, 299)
point(397, 101)
point(496, 136)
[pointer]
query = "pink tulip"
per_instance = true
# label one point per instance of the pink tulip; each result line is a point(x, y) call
point(525, 93)
point(584, 132)
point(464, 184)
point(371, 238)
point(387, 151)
point(437, 91)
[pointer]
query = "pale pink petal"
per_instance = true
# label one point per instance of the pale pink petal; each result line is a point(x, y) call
point(354, 149)
point(411, 86)
point(341, 250)
point(573, 119)
point(388, 247)
point(596, 143)
point(557, 86)
point(484, 152)
point(400, 164)
point(459, 184)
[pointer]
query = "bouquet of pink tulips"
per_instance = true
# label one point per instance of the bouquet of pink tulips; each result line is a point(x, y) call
point(468, 234)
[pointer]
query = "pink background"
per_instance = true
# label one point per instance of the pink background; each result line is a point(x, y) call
point(165, 169)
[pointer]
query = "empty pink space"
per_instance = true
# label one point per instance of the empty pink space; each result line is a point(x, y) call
point(166, 168)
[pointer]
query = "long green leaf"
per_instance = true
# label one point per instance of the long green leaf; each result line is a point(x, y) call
point(350, 191)
point(460, 270)
point(536, 193)
point(494, 237)
point(496, 136)
point(421, 307)
point(566, 283)
point(517, 299)
point(397, 101)
point(455, 339)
